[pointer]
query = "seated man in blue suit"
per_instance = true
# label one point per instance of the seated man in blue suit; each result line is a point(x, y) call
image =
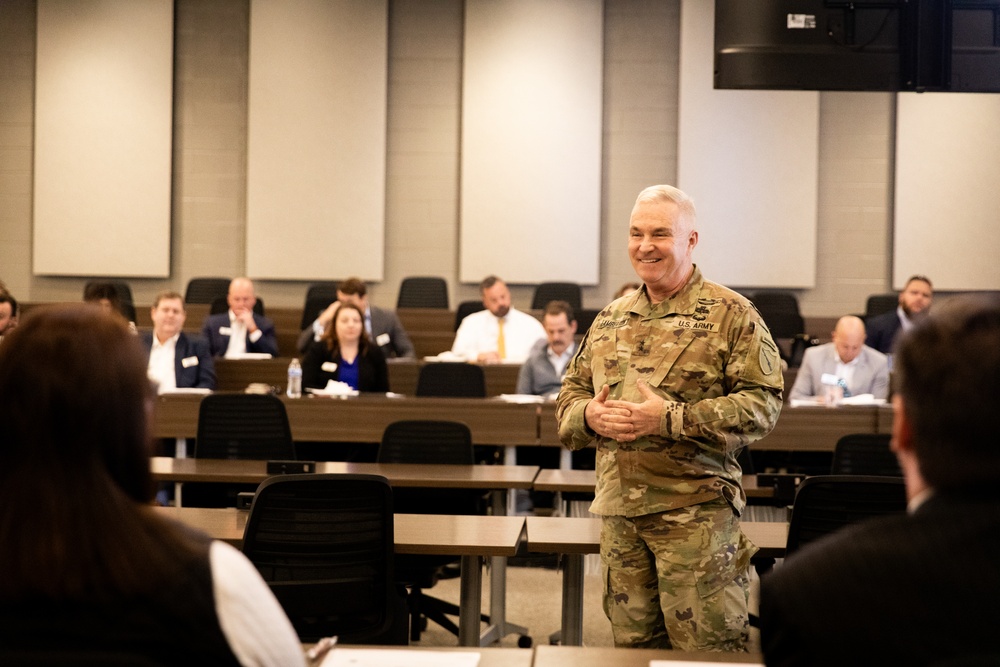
point(847, 361)
point(240, 330)
point(917, 588)
point(175, 359)
point(914, 303)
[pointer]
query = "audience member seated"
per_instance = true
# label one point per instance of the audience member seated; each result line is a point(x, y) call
point(107, 297)
point(543, 370)
point(382, 326)
point(240, 330)
point(912, 589)
point(345, 354)
point(914, 303)
point(90, 572)
point(500, 333)
point(176, 360)
point(8, 312)
point(846, 362)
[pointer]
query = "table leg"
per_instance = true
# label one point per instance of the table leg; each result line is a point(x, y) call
point(180, 452)
point(470, 601)
point(572, 600)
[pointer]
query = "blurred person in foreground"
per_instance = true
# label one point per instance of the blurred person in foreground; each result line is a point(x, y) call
point(918, 588)
point(8, 312)
point(89, 569)
point(672, 381)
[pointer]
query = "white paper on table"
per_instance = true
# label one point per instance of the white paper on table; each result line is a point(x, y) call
point(249, 355)
point(364, 657)
point(805, 402)
point(187, 390)
point(862, 399)
point(522, 398)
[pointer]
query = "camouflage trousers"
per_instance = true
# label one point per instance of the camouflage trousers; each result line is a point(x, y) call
point(678, 579)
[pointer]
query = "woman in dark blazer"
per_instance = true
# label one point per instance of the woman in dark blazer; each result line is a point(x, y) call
point(344, 353)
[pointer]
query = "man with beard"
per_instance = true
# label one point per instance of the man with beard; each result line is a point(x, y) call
point(501, 333)
point(914, 302)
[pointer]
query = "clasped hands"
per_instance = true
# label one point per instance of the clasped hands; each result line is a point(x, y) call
point(625, 421)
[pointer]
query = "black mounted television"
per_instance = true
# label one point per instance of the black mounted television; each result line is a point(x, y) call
point(877, 45)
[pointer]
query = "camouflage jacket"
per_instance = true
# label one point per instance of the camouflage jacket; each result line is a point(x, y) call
point(708, 353)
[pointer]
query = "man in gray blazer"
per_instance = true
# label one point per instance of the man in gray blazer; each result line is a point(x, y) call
point(383, 326)
point(847, 361)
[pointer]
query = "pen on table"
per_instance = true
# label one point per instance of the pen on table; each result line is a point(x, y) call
point(321, 648)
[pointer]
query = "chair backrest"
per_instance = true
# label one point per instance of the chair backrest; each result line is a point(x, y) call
point(220, 304)
point(121, 288)
point(451, 379)
point(865, 454)
point(426, 441)
point(467, 308)
point(880, 303)
point(315, 305)
point(826, 503)
point(584, 319)
point(423, 292)
point(780, 311)
point(243, 426)
point(326, 290)
point(545, 292)
point(324, 544)
point(206, 290)
point(431, 443)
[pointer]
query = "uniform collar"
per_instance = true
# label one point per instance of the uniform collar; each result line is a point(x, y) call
point(684, 302)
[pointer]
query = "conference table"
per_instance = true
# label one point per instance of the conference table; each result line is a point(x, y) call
point(494, 421)
point(603, 656)
point(575, 537)
point(363, 418)
point(473, 538)
point(498, 479)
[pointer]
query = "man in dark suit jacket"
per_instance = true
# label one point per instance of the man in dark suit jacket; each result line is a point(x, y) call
point(382, 326)
point(176, 361)
point(240, 330)
point(918, 588)
point(914, 303)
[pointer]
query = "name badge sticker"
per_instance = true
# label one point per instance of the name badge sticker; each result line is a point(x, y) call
point(329, 367)
point(382, 339)
point(188, 362)
point(226, 331)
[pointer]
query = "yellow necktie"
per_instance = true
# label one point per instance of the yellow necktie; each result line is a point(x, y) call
point(501, 351)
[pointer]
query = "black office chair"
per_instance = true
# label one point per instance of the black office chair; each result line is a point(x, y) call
point(467, 308)
point(780, 310)
point(315, 305)
point(429, 443)
point(206, 290)
point(584, 319)
point(221, 305)
point(865, 454)
point(568, 292)
point(324, 544)
point(237, 426)
point(878, 304)
point(826, 503)
point(121, 288)
point(326, 289)
point(451, 380)
point(423, 292)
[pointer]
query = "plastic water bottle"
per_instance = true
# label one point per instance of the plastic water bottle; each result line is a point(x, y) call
point(294, 387)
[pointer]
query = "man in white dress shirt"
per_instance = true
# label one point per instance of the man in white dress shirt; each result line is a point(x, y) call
point(501, 333)
point(846, 362)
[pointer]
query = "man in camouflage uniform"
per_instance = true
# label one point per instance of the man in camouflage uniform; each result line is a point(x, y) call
point(672, 381)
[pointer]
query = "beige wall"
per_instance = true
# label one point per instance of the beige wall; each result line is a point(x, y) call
point(424, 98)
